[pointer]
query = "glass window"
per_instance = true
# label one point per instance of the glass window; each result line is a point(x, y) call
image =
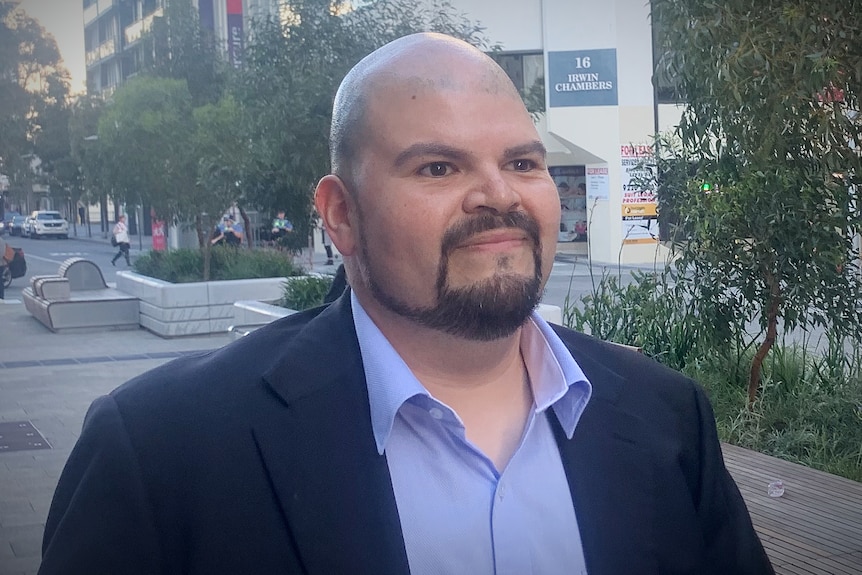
point(667, 90)
point(527, 72)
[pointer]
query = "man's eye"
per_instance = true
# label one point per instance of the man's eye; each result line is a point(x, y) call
point(523, 165)
point(436, 170)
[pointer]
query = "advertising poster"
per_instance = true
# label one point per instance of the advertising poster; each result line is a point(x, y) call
point(598, 183)
point(572, 187)
point(639, 204)
point(160, 239)
point(235, 38)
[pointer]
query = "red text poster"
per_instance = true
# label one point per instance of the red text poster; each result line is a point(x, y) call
point(160, 238)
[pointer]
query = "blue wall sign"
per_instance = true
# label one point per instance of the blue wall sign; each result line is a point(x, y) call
point(582, 78)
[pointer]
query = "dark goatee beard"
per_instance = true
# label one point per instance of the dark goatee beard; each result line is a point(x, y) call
point(490, 309)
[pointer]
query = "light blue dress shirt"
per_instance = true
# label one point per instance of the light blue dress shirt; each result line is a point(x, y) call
point(459, 514)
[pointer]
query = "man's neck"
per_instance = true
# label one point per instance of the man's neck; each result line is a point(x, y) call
point(485, 382)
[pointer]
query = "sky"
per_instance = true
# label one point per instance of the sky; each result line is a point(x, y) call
point(64, 19)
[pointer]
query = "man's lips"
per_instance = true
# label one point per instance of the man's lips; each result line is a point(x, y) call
point(495, 240)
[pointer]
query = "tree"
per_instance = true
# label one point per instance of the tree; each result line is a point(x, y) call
point(221, 158)
point(292, 69)
point(34, 89)
point(89, 185)
point(771, 123)
point(154, 147)
point(145, 141)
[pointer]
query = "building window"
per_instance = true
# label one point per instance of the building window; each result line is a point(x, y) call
point(527, 72)
point(667, 89)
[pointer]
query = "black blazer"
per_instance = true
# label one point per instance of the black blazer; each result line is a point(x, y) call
point(259, 458)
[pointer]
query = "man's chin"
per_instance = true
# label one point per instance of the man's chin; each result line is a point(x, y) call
point(487, 310)
point(479, 278)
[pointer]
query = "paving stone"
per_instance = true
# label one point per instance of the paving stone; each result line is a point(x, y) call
point(24, 541)
point(27, 566)
point(55, 398)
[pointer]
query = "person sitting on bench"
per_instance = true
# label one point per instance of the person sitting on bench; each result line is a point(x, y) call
point(228, 232)
point(281, 226)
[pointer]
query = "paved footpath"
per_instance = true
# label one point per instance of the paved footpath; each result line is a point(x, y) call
point(49, 380)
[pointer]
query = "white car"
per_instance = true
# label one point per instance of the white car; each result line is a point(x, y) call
point(46, 223)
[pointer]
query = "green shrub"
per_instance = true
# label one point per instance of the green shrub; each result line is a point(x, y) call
point(809, 410)
point(305, 292)
point(652, 313)
point(810, 406)
point(226, 263)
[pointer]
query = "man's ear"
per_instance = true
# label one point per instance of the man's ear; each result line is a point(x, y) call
point(335, 206)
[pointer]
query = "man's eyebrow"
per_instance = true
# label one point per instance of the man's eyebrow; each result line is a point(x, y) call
point(429, 149)
point(529, 149)
point(450, 153)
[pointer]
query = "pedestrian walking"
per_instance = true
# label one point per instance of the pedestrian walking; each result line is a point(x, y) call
point(6, 255)
point(121, 240)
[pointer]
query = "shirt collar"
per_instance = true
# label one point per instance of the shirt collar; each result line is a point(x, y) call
point(556, 378)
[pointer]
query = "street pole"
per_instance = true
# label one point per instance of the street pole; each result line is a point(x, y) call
point(74, 217)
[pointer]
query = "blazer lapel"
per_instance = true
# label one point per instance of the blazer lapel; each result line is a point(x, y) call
point(609, 475)
point(318, 448)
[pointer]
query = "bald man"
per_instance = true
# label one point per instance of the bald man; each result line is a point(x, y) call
point(427, 421)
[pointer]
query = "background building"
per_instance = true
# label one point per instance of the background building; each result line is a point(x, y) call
point(114, 31)
point(585, 65)
point(591, 61)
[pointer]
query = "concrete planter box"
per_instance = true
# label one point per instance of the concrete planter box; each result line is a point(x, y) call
point(250, 315)
point(550, 313)
point(172, 310)
point(258, 313)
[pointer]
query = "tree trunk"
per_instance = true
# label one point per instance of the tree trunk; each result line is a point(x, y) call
point(246, 223)
point(206, 246)
point(771, 334)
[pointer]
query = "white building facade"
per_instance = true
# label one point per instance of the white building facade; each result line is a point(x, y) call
point(595, 59)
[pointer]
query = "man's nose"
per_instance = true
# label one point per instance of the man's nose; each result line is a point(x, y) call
point(492, 191)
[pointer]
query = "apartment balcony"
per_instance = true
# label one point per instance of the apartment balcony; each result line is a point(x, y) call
point(134, 32)
point(96, 10)
point(104, 51)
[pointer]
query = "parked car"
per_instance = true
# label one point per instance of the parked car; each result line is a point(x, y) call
point(6, 222)
point(16, 226)
point(46, 223)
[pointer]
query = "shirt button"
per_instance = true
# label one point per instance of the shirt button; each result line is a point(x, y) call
point(501, 491)
point(436, 412)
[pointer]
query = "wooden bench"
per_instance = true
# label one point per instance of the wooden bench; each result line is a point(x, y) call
point(79, 297)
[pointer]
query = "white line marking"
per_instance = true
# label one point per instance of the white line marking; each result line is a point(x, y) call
point(40, 258)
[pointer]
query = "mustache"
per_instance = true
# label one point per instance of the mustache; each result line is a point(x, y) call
point(487, 221)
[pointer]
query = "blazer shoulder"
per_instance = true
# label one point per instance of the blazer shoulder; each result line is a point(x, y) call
point(227, 374)
point(624, 360)
point(631, 379)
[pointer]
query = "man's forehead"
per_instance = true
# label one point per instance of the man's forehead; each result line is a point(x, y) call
point(481, 80)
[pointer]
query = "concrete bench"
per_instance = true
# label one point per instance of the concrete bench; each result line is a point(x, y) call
point(79, 297)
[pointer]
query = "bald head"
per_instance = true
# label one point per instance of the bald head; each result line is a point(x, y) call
point(420, 62)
